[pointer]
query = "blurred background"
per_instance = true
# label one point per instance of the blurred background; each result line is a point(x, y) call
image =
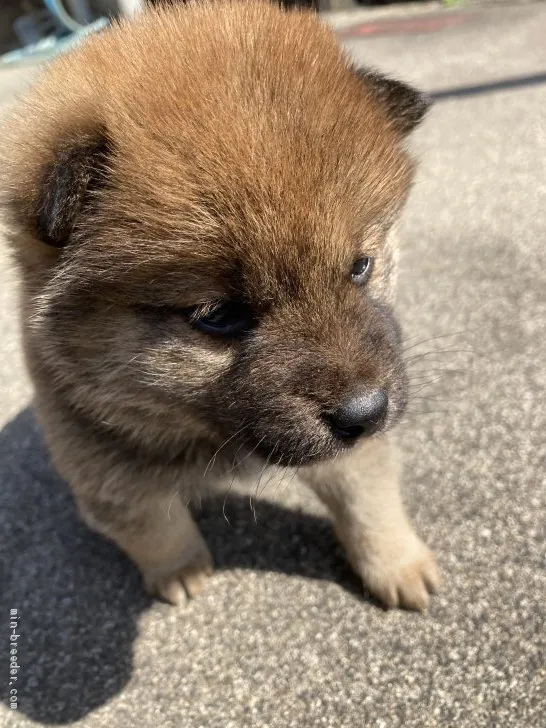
point(285, 637)
point(23, 22)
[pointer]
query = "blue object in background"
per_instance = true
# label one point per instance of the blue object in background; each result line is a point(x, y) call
point(63, 33)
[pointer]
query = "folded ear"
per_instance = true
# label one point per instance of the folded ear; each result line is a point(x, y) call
point(405, 105)
point(67, 185)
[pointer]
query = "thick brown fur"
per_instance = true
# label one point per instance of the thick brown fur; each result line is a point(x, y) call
point(224, 150)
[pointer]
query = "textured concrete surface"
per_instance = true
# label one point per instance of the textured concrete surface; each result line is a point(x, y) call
point(284, 636)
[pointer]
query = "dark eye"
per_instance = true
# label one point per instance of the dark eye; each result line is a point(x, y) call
point(362, 270)
point(227, 318)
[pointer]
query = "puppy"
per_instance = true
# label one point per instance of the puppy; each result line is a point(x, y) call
point(201, 205)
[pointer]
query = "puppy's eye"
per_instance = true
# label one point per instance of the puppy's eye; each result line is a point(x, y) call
point(362, 270)
point(227, 318)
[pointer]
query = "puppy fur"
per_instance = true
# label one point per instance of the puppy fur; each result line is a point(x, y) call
point(202, 153)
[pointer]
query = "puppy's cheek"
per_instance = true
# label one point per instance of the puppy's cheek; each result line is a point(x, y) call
point(183, 371)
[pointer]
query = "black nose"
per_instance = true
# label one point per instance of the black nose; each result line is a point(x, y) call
point(360, 416)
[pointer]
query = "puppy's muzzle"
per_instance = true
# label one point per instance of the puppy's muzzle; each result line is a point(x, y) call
point(360, 416)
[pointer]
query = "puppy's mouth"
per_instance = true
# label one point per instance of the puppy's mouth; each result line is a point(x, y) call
point(322, 445)
point(335, 431)
point(290, 455)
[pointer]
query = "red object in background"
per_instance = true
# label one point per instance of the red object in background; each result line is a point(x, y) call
point(404, 26)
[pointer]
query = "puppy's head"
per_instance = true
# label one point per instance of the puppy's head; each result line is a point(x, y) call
point(203, 204)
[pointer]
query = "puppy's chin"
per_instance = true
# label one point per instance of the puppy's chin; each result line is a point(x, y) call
point(292, 456)
point(292, 453)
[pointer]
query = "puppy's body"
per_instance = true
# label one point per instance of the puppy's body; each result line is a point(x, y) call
point(202, 206)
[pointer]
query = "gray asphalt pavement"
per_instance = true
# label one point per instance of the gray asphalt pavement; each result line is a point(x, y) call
point(284, 636)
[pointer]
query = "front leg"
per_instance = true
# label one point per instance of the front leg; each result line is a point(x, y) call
point(158, 533)
point(135, 503)
point(361, 490)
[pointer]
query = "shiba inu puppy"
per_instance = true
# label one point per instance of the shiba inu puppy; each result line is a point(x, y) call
point(201, 204)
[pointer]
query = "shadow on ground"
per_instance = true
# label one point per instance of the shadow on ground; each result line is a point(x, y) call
point(79, 598)
point(507, 84)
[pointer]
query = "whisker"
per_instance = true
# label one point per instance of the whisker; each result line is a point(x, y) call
point(429, 399)
point(225, 500)
point(248, 454)
point(438, 352)
point(229, 439)
point(289, 482)
point(412, 413)
point(422, 381)
point(435, 338)
point(176, 492)
point(259, 481)
point(439, 372)
point(416, 388)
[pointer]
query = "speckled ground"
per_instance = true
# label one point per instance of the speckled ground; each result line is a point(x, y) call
point(284, 637)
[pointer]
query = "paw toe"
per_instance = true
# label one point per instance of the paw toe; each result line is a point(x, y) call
point(405, 582)
point(178, 584)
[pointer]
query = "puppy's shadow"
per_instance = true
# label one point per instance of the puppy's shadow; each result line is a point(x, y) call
point(78, 598)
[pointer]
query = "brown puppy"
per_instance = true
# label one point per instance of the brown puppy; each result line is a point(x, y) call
point(201, 205)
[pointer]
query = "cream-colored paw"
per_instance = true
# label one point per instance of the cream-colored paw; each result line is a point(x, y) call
point(183, 579)
point(402, 573)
